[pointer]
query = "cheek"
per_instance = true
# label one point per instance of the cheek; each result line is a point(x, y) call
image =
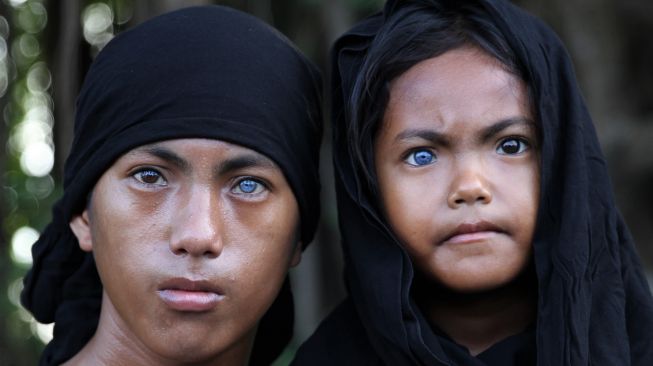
point(409, 203)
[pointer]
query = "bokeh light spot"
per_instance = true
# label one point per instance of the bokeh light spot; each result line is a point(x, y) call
point(43, 331)
point(21, 244)
point(38, 78)
point(37, 159)
point(29, 45)
point(97, 24)
point(13, 291)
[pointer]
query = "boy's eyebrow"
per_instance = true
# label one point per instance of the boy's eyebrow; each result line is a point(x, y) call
point(501, 125)
point(241, 161)
point(169, 156)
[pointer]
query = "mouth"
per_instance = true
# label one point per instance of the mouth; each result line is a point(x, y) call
point(467, 233)
point(185, 295)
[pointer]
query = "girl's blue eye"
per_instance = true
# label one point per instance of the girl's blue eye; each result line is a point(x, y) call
point(248, 186)
point(420, 157)
point(150, 177)
point(512, 146)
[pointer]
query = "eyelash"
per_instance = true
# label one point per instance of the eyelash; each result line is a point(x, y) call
point(411, 156)
point(524, 145)
point(138, 176)
point(260, 188)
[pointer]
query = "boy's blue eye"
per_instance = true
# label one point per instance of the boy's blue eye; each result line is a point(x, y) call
point(150, 176)
point(420, 157)
point(248, 186)
point(512, 146)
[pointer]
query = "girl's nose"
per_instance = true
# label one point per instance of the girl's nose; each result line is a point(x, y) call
point(469, 186)
point(197, 226)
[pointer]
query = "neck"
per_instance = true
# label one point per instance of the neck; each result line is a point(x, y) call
point(115, 344)
point(479, 320)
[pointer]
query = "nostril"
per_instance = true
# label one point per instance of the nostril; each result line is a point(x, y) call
point(180, 251)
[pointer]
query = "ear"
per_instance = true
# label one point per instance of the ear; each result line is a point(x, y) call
point(81, 227)
point(297, 255)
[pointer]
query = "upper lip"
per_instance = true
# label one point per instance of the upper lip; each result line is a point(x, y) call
point(473, 227)
point(185, 284)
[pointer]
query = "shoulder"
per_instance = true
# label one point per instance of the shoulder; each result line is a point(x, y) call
point(339, 340)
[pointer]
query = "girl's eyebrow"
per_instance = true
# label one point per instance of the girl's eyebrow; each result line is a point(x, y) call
point(427, 134)
point(489, 132)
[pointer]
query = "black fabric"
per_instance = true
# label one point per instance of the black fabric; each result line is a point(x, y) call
point(204, 72)
point(594, 304)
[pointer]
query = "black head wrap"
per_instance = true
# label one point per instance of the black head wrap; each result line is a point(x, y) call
point(206, 72)
point(594, 304)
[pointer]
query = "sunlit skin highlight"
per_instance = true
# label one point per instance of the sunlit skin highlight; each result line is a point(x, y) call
point(457, 166)
point(192, 240)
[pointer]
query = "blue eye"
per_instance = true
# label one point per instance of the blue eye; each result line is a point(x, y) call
point(512, 146)
point(248, 186)
point(150, 177)
point(420, 157)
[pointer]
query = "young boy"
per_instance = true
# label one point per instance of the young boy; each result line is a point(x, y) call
point(191, 189)
point(475, 207)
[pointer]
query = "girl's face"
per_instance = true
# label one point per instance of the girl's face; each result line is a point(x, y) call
point(457, 163)
point(192, 239)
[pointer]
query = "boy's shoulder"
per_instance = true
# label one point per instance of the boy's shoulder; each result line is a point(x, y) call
point(339, 340)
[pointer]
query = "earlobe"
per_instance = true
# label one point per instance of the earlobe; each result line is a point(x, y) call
point(80, 226)
point(297, 255)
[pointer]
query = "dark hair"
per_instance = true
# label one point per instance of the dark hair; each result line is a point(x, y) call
point(413, 33)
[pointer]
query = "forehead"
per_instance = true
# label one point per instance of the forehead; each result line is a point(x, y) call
point(198, 149)
point(464, 84)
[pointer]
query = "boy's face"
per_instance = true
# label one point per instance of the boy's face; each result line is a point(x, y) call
point(192, 239)
point(458, 170)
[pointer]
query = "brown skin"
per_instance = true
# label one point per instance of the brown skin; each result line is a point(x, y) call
point(177, 209)
point(457, 164)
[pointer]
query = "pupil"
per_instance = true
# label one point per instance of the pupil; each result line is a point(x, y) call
point(511, 146)
point(423, 157)
point(149, 176)
point(247, 186)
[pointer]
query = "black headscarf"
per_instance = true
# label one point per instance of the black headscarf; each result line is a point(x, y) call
point(594, 304)
point(204, 72)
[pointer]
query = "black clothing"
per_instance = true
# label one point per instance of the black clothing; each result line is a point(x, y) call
point(204, 72)
point(594, 304)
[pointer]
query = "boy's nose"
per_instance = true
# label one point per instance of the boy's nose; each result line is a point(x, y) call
point(196, 229)
point(469, 187)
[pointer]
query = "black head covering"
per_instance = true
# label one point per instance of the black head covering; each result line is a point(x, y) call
point(205, 72)
point(594, 304)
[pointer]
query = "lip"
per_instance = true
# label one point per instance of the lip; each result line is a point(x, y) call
point(474, 232)
point(187, 295)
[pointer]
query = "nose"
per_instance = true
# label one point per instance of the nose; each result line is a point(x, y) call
point(196, 227)
point(469, 185)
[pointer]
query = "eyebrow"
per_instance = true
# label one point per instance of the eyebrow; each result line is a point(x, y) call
point(169, 156)
point(486, 134)
point(245, 160)
point(503, 124)
point(239, 161)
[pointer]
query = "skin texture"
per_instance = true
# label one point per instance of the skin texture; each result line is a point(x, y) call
point(178, 210)
point(456, 159)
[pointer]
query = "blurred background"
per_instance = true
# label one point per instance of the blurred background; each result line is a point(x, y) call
point(46, 46)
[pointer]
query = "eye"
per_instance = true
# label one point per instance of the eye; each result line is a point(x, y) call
point(248, 186)
point(512, 146)
point(150, 176)
point(420, 157)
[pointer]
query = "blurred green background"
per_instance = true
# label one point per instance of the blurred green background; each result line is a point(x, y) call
point(46, 46)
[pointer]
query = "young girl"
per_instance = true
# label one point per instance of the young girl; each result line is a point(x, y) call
point(476, 212)
point(191, 188)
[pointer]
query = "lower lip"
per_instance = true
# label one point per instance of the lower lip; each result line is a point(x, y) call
point(191, 301)
point(469, 238)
